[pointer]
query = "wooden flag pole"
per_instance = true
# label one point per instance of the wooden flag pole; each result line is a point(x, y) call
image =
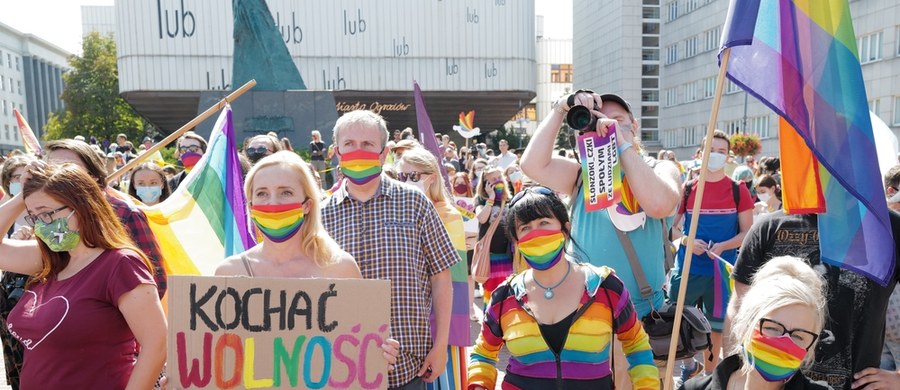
point(692, 233)
point(183, 129)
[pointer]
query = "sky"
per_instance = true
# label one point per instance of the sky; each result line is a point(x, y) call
point(59, 21)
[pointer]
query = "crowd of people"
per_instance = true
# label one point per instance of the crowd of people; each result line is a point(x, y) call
point(567, 290)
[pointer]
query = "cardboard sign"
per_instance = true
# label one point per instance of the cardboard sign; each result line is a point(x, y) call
point(600, 170)
point(246, 333)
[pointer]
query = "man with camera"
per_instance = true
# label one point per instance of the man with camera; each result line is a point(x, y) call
point(656, 189)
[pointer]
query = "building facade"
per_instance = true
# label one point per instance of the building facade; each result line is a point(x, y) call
point(31, 72)
point(691, 34)
point(616, 48)
point(465, 54)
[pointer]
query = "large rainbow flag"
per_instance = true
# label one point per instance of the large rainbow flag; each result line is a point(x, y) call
point(800, 59)
point(205, 220)
point(32, 146)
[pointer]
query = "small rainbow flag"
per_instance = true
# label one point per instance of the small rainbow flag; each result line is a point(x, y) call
point(723, 284)
point(800, 59)
point(204, 220)
point(32, 146)
point(466, 127)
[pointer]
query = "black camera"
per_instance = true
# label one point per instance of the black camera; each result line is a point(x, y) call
point(14, 288)
point(581, 119)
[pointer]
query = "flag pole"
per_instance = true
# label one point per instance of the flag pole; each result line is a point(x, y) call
point(692, 232)
point(183, 129)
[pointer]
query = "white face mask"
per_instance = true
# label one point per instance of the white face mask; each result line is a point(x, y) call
point(515, 176)
point(716, 162)
point(763, 197)
point(895, 198)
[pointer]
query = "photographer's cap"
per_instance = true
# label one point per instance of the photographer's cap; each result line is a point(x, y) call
point(611, 97)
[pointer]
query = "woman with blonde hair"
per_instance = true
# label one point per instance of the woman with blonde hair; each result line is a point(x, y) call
point(419, 168)
point(776, 329)
point(283, 199)
point(491, 196)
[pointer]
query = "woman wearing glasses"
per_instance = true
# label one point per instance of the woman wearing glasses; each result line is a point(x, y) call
point(491, 196)
point(260, 146)
point(188, 150)
point(559, 317)
point(92, 303)
point(419, 168)
point(284, 206)
point(776, 327)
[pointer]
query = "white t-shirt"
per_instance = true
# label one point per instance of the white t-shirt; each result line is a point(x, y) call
point(505, 159)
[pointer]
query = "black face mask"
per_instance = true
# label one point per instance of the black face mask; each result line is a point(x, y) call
point(254, 157)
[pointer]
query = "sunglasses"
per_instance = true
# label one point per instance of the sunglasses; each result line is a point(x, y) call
point(258, 150)
point(536, 189)
point(189, 148)
point(411, 176)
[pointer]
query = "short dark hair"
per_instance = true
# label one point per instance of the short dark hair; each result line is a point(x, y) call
point(10, 165)
point(194, 136)
point(720, 135)
point(92, 160)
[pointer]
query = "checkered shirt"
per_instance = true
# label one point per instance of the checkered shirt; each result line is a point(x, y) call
point(138, 229)
point(397, 235)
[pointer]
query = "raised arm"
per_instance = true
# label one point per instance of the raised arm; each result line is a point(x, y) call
point(22, 257)
point(539, 162)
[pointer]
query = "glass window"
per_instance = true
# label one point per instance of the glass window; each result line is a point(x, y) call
point(649, 82)
point(709, 87)
point(650, 70)
point(650, 13)
point(896, 110)
point(671, 97)
point(9, 60)
point(651, 28)
point(648, 110)
point(649, 123)
point(672, 54)
point(650, 41)
point(17, 63)
point(650, 54)
point(869, 47)
point(649, 96)
point(19, 84)
point(673, 11)
point(2, 83)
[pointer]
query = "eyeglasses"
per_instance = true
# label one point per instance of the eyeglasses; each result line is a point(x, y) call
point(536, 189)
point(189, 148)
point(802, 337)
point(410, 176)
point(258, 150)
point(46, 217)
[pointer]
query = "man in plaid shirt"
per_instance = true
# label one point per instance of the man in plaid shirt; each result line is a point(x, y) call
point(394, 233)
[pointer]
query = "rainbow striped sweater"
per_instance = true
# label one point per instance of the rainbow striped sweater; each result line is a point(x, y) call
point(584, 359)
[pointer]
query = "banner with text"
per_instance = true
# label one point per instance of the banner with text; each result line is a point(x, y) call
point(245, 333)
point(600, 170)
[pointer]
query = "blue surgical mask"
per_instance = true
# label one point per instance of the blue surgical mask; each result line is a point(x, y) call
point(15, 188)
point(148, 194)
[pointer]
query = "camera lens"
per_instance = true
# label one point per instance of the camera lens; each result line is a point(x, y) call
point(580, 118)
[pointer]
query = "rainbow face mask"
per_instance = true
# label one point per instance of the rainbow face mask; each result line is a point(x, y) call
point(189, 160)
point(360, 166)
point(542, 249)
point(278, 222)
point(774, 358)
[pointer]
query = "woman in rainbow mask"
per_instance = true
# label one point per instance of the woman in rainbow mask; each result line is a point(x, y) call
point(284, 206)
point(776, 327)
point(559, 317)
point(492, 194)
point(419, 168)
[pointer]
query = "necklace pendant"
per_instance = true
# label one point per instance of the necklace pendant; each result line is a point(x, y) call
point(548, 294)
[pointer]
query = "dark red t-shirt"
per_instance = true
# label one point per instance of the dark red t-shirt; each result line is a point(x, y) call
point(74, 335)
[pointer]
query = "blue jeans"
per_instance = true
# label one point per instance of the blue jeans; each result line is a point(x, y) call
point(890, 355)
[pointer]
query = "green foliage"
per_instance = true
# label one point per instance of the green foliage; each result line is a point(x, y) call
point(168, 155)
point(511, 135)
point(91, 96)
point(563, 139)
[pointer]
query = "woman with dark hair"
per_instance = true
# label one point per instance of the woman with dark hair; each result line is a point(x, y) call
point(768, 190)
point(148, 183)
point(559, 317)
point(89, 285)
point(491, 196)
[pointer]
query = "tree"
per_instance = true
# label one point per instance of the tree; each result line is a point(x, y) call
point(91, 96)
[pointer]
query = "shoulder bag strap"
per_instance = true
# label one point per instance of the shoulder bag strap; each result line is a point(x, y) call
point(247, 265)
point(636, 269)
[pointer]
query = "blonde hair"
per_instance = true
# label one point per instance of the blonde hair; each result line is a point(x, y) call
point(782, 281)
point(482, 183)
point(314, 240)
point(424, 161)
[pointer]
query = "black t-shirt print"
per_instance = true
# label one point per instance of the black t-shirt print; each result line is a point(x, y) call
point(854, 329)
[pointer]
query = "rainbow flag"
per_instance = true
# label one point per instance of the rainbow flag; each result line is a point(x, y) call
point(723, 284)
point(204, 220)
point(32, 146)
point(800, 59)
point(454, 376)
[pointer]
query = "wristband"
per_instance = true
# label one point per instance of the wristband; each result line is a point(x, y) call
point(489, 203)
point(625, 146)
